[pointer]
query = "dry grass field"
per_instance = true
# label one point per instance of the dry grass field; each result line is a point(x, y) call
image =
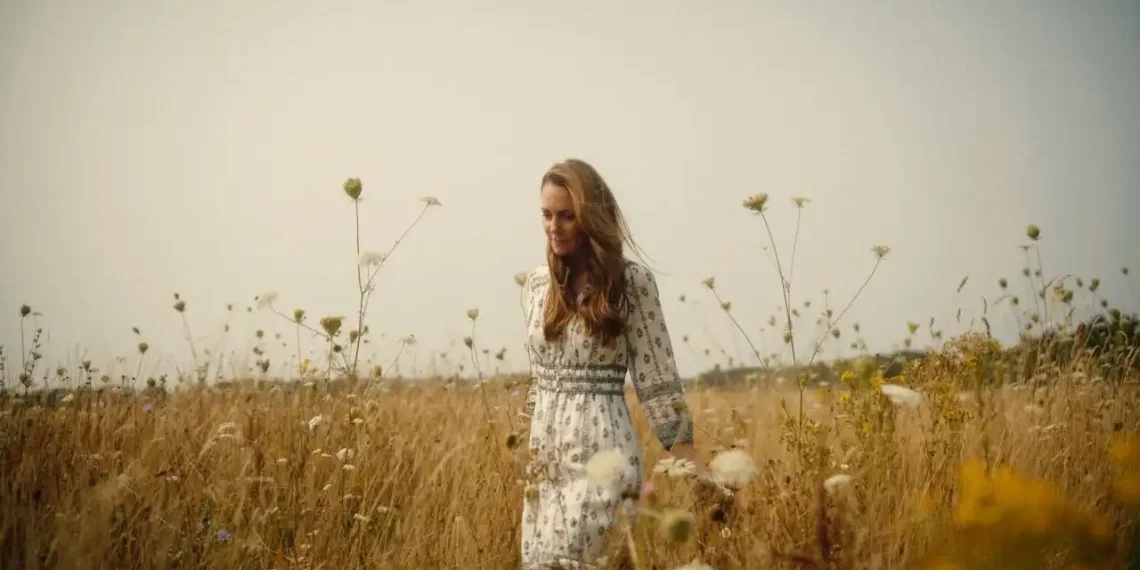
point(973, 456)
point(388, 475)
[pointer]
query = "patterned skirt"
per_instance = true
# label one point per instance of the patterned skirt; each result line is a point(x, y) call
point(566, 522)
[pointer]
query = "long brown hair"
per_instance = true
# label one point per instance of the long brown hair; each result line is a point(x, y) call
point(602, 256)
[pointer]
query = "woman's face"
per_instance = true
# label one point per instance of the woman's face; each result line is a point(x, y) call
point(563, 232)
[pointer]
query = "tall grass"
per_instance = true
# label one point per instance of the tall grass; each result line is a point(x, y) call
point(974, 455)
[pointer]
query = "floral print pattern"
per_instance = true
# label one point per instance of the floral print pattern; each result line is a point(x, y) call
point(577, 407)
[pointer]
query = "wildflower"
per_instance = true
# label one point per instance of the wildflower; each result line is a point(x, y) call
point(25, 311)
point(608, 469)
point(520, 278)
point(756, 202)
point(710, 282)
point(370, 259)
point(799, 202)
point(901, 395)
point(353, 188)
point(1033, 232)
point(675, 467)
point(881, 251)
point(180, 306)
point(345, 454)
point(265, 300)
point(361, 517)
point(224, 535)
point(349, 467)
point(733, 469)
point(315, 421)
point(468, 341)
point(331, 324)
point(833, 483)
point(143, 347)
point(430, 201)
point(473, 314)
point(676, 525)
point(726, 306)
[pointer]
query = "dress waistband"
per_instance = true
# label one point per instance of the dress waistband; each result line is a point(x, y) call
point(599, 379)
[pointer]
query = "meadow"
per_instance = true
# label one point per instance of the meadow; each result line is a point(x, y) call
point(968, 455)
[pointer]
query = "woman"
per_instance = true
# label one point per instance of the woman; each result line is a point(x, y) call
point(592, 316)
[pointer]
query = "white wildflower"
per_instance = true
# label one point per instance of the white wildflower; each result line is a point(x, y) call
point(67, 398)
point(370, 259)
point(357, 421)
point(349, 467)
point(430, 201)
point(609, 469)
point(901, 395)
point(282, 461)
point(732, 469)
point(345, 454)
point(361, 517)
point(315, 421)
point(835, 482)
point(266, 300)
point(675, 467)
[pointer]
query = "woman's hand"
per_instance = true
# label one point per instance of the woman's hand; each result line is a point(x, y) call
point(687, 452)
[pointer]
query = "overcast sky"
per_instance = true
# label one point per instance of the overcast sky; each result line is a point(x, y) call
point(159, 146)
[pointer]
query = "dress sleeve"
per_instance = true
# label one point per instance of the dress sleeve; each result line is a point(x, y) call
point(528, 307)
point(652, 367)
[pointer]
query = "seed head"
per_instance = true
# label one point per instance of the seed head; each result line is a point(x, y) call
point(25, 311)
point(1003, 283)
point(259, 333)
point(331, 325)
point(352, 336)
point(353, 188)
point(881, 251)
point(468, 341)
point(676, 525)
point(143, 347)
point(520, 278)
point(1033, 232)
point(430, 201)
point(180, 306)
point(608, 469)
point(710, 282)
point(756, 202)
point(473, 314)
point(1094, 284)
point(727, 305)
point(733, 469)
point(298, 315)
point(1124, 270)
point(799, 202)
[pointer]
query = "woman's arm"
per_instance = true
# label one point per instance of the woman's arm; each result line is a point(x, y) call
point(653, 368)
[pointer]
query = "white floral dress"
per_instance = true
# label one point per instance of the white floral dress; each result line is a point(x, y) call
point(577, 406)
